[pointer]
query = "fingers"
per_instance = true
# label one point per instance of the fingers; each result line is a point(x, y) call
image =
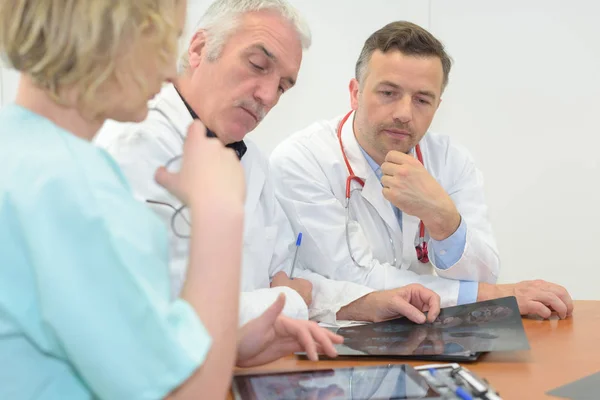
point(563, 295)
point(275, 351)
point(171, 182)
point(434, 309)
point(307, 342)
point(423, 299)
point(552, 301)
point(387, 182)
point(402, 307)
point(389, 191)
point(268, 317)
point(537, 308)
point(300, 330)
point(164, 178)
point(311, 337)
point(541, 298)
point(429, 300)
point(337, 339)
point(196, 133)
point(399, 158)
point(389, 171)
point(280, 274)
point(558, 305)
point(279, 279)
point(196, 142)
point(323, 338)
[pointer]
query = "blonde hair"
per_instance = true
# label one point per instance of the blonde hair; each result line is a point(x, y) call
point(79, 43)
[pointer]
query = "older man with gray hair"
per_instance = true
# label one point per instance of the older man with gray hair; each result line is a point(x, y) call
point(244, 55)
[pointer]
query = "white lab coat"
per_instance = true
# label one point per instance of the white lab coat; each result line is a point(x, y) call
point(268, 238)
point(310, 178)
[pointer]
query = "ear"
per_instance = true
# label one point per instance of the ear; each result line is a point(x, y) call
point(196, 47)
point(354, 90)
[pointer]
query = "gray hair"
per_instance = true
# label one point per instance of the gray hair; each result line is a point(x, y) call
point(222, 18)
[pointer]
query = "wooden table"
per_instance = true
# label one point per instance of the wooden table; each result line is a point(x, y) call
point(561, 352)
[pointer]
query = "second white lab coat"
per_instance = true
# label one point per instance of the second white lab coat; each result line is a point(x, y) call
point(269, 241)
point(310, 177)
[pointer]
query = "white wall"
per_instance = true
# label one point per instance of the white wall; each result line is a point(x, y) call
point(522, 97)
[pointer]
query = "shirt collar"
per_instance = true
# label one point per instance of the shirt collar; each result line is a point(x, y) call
point(240, 147)
point(374, 166)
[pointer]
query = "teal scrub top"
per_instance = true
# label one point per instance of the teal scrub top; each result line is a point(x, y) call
point(85, 309)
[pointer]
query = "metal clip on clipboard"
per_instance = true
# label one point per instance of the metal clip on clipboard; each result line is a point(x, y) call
point(462, 377)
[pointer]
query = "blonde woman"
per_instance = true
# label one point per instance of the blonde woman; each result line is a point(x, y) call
point(84, 285)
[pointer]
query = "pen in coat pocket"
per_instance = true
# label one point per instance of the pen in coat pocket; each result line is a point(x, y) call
point(298, 243)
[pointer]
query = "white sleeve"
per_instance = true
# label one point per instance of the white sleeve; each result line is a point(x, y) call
point(480, 260)
point(254, 303)
point(304, 191)
point(329, 296)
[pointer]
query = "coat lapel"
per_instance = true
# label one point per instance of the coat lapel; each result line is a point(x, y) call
point(169, 103)
point(255, 181)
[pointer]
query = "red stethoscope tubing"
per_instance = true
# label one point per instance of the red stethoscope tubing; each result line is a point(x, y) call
point(421, 248)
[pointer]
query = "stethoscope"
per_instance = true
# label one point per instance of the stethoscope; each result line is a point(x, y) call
point(421, 245)
point(177, 210)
